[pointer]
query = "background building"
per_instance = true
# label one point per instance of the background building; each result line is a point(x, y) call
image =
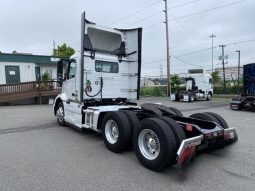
point(231, 73)
point(16, 68)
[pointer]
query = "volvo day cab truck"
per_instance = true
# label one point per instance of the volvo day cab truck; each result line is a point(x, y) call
point(198, 87)
point(246, 101)
point(99, 90)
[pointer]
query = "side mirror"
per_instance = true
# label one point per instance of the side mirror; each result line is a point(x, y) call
point(61, 70)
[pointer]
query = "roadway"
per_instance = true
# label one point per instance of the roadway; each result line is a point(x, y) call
point(37, 154)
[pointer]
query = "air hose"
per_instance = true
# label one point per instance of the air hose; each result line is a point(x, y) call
point(101, 88)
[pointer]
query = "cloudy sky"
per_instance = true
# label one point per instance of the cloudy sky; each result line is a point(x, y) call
point(30, 26)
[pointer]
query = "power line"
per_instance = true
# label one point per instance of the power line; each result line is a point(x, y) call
point(135, 12)
point(156, 13)
point(144, 18)
point(183, 4)
point(154, 61)
point(241, 42)
point(199, 51)
point(182, 27)
point(185, 62)
point(151, 26)
point(229, 44)
point(192, 14)
point(212, 9)
point(194, 52)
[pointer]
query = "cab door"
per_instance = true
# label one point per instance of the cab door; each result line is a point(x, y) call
point(69, 85)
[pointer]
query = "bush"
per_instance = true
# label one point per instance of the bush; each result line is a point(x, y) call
point(153, 91)
point(158, 90)
point(46, 76)
point(229, 90)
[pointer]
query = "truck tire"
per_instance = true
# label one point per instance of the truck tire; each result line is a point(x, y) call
point(154, 144)
point(60, 114)
point(134, 123)
point(209, 96)
point(165, 111)
point(222, 121)
point(176, 129)
point(191, 97)
point(206, 117)
point(116, 131)
point(151, 109)
point(176, 111)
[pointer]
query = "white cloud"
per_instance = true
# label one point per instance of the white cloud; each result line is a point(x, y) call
point(31, 26)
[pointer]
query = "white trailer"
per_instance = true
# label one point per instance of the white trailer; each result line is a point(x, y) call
point(198, 87)
point(98, 87)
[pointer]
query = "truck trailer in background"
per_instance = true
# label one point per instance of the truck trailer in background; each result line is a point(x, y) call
point(247, 99)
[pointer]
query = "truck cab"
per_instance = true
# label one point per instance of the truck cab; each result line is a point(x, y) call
point(198, 87)
point(106, 72)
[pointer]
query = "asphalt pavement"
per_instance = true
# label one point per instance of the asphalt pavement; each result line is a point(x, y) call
point(37, 154)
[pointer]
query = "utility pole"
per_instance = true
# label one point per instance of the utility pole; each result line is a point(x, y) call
point(212, 36)
point(238, 82)
point(54, 45)
point(223, 65)
point(161, 73)
point(167, 51)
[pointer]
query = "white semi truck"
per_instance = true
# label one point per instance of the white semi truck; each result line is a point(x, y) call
point(198, 87)
point(98, 87)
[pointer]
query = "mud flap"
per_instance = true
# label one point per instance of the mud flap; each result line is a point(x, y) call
point(187, 150)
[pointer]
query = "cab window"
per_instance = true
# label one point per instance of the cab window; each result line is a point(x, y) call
point(71, 70)
point(106, 66)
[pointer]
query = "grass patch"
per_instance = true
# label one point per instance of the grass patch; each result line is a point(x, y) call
point(155, 91)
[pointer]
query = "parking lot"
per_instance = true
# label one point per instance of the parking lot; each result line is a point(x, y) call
point(37, 154)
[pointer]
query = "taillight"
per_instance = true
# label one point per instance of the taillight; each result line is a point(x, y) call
point(189, 127)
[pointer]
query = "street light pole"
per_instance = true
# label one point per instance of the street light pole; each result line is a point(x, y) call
point(223, 65)
point(167, 51)
point(212, 36)
point(238, 83)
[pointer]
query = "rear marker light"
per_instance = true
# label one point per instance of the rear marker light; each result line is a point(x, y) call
point(189, 127)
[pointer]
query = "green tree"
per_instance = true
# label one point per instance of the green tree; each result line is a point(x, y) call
point(63, 51)
point(215, 77)
point(175, 81)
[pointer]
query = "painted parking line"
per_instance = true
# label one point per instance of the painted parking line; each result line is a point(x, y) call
point(249, 119)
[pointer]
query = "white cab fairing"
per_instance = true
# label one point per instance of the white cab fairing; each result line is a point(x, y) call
point(111, 63)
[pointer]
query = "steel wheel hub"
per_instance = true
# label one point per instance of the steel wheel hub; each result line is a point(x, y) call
point(111, 131)
point(60, 114)
point(149, 144)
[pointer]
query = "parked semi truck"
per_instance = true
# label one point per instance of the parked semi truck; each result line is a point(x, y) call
point(247, 98)
point(198, 87)
point(99, 90)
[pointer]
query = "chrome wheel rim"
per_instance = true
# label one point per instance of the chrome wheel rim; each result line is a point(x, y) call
point(149, 144)
point(209, 96)
point(60, 114)
point(111, 131)
point(192, 98)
